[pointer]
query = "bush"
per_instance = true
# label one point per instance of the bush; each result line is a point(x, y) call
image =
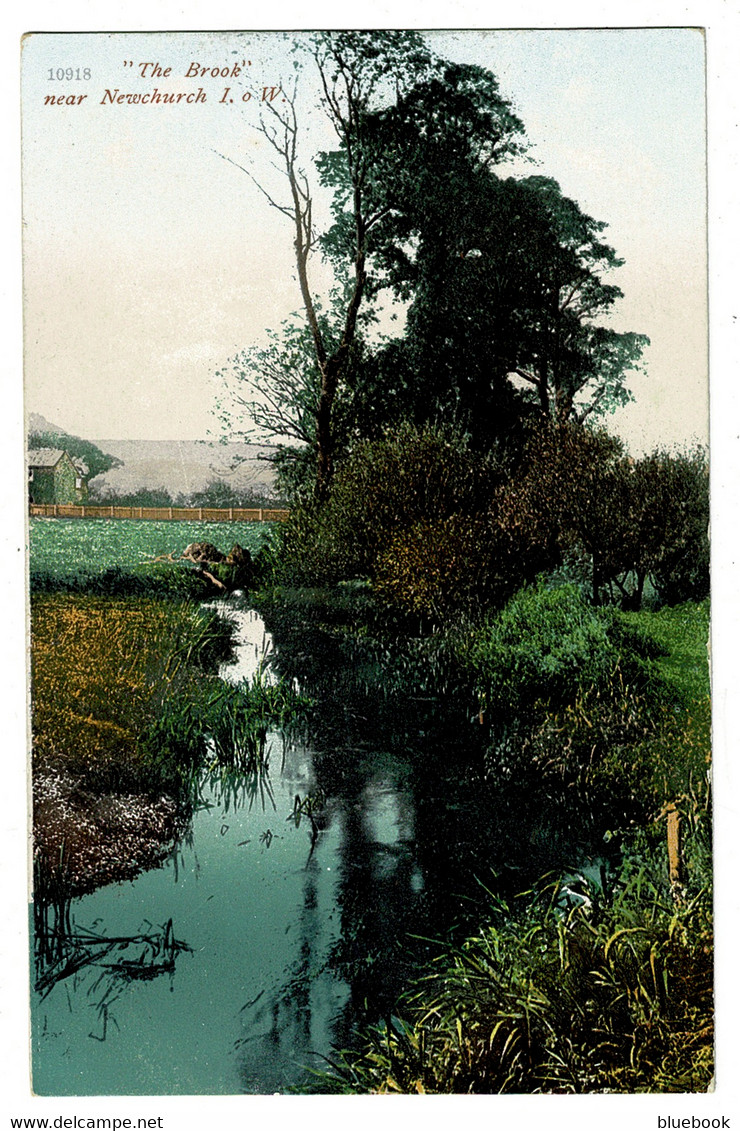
point(546, 645)
point(674, 524)
point(382, 489)
point(434, 568)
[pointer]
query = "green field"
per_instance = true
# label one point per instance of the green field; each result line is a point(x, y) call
point(87, 547)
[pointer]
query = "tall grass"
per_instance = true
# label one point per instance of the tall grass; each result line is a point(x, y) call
point(103, 668)
point(238, 718)
point(595, 991)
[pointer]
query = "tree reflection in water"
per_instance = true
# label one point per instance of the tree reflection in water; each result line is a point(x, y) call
point(309, 893)
point(422, 831)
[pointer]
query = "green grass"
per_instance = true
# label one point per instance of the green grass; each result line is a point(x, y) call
point(64, 547)
point(683, 632)
point(118, 557)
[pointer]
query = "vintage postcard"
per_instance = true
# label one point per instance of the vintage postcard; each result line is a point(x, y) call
point(367, 435)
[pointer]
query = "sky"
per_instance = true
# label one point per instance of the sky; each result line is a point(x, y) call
point(151, 259)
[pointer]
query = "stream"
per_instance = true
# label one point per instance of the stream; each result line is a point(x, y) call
point(265, 986)
point(265, 942)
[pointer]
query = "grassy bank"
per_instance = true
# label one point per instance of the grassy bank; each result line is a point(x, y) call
point(682, 631)
point(592, 990)
point(102, 671)
point(125, 702)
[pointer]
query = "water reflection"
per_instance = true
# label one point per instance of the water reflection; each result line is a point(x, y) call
point(305, 892)
point(253, 892)
point(69, 957)
point(253, 644)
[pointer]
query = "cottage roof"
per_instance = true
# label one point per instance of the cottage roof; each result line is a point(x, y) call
point(45, 457)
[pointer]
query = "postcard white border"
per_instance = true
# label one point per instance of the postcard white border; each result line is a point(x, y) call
point(722, 21)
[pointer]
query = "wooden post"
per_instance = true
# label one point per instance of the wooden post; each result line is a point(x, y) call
point(261, 514)
point(231, 514)
point(675, 862)
point(200, 513)
point(169, 512)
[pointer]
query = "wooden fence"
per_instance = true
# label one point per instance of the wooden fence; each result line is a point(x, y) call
point(160, 514)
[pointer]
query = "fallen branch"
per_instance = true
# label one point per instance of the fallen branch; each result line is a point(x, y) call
point(209, 577)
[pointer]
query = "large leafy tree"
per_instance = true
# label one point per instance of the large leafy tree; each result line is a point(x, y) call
point(384, 93)
point(434, 151)
point(508, 307)
point(574, 363)
point(504, 282)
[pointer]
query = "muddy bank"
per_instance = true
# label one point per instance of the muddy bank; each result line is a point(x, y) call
point(83, 839)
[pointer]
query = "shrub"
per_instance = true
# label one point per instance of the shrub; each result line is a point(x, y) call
point(435, 567)
point(674, 523)
point(547, 644)
point(383, 488)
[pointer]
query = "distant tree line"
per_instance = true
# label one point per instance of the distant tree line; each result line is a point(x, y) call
point(92, 461)
point(216, 493)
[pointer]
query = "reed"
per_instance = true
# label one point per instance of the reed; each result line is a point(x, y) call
point(238, 718)
point(595, 991)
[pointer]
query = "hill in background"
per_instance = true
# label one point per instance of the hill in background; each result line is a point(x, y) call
point(185, 467)
point(180, 467)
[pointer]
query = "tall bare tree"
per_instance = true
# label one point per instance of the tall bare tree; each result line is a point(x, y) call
point(358, 73)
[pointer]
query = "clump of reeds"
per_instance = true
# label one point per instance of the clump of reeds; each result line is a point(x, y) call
point(607, 992)
point(238, 717)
